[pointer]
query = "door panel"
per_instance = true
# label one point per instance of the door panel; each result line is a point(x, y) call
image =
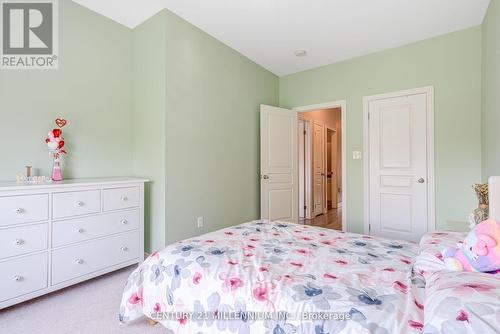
point(319, 168)
point(279, 164)
point(398, 167)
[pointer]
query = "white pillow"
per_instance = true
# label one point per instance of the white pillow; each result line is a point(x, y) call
point(462, 303)
point(431, 245)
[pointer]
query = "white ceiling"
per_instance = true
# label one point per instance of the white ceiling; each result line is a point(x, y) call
point(269, 31)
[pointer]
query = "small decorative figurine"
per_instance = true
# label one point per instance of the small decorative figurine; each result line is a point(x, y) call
point(31, 179)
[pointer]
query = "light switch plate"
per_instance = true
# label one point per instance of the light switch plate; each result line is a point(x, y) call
point(356, 155)
point(199, 222)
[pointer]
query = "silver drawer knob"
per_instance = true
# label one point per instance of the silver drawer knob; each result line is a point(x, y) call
point(17, 278)
point(19, 242)
point(80, 203)
point(80, 230)
point(78, 261)
point(124, 249)
point(19, 211)
point(421, 180)
point(124, 222)
point(124, 198)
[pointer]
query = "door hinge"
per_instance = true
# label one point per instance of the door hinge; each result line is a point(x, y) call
point(304, 132)
point(305, 207)
point(369, 227)
point(368, 116)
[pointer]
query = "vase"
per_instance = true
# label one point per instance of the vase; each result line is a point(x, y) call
point(481, 213)
point(56, 169)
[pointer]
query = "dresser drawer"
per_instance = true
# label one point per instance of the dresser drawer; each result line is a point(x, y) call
point(121, 198)
point(85, 258)
point(76, 203)
point(23, 209)
point(22, 276)
point(79, 229)
point(24, 239)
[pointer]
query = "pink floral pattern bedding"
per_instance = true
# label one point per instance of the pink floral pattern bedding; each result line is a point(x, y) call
point(462, 303)
point(261, 266)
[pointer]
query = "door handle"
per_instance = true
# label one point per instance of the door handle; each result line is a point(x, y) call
point(421, 180)
point(265, 177)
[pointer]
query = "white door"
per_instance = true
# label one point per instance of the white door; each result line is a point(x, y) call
point(398, 193)
point(319, 192)
point(278, 164)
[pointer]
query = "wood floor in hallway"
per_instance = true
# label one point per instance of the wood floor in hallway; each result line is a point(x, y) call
point(332, 220)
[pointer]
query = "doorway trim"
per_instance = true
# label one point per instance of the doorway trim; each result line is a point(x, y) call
point(342, 104)
point(326, 163)
point(431, 191)
point(307, 170)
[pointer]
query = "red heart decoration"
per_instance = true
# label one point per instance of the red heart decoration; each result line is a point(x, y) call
point(61, 144)
point(61, 122)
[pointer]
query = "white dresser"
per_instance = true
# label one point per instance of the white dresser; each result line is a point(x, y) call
point(56, 235)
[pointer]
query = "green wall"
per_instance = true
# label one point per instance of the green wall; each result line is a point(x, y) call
point(168, 102)
point(491, 91)
point(200, 150)
point(212, 134)
point(452, 64)
point(91, 89)
point(149, 85)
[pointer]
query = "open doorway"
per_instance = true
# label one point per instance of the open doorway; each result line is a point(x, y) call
point(320, 167)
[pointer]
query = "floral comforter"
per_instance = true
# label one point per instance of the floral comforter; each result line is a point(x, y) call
point(272, 277)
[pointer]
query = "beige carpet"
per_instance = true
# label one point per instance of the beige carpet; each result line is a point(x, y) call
point(90, 307)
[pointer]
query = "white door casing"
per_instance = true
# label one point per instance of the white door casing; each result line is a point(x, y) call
point(342, 104)
point(302, 166)
point(319, 168)
point(279, 164)
point(334, 170)
point(308, 167)
point(398, 176)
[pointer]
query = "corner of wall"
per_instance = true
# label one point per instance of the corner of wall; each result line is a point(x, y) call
point(149, 96)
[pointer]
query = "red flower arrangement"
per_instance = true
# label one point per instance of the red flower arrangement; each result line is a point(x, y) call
point(55, 143)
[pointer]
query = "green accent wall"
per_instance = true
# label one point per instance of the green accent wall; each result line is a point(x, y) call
point(168, 102)
point(148, 130)
point(491, 91)
point(452, 64)
point(212, 131)
point(91, 89)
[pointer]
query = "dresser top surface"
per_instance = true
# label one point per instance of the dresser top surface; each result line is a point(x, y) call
point(12, 185)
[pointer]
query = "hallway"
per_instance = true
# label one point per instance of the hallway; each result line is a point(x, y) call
point(332, 220)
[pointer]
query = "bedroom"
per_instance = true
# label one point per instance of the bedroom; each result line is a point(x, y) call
point(169, 92)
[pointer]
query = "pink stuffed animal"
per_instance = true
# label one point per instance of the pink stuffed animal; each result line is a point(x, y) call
point(480, 251)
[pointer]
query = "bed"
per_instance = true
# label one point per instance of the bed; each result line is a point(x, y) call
point(272, 277)
point(277, 277)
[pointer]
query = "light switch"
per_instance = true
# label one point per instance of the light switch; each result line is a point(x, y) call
point(356, 155)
